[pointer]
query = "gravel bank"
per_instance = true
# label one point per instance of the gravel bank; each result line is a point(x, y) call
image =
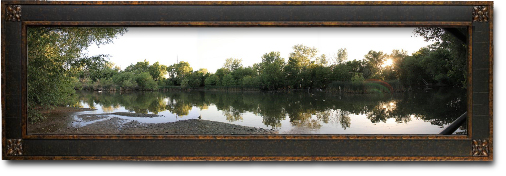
point(192, 126)
point(62, 123)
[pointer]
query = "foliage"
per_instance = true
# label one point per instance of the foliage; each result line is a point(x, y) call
point(212, 80)
point(177, 72)
point(451, 50)
point(57, 67)
point(228, 80)
point(54, 57)
point(157, 71)
point(232, 64)
point(271, 71)
point(145, 81)
point(341, 55)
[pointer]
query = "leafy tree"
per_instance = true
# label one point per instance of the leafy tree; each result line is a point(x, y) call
point(177, 72)
point(322, 60)
point(299, 60)
point(106, 83)
point(185, 82)
point(374, 61)
point(228, 80)
point(321, 76)
point(341, 55)
point(139, 67)
point(454, 46)
point(203, 71)
point(303, 55)
point(397, 57)
point(241, 72)
point(129, 84)
point(125, 80)
point(221, 73)
point(54, 57)
point(232, 64)
point(196, 79)
point(411, 72)
point(212, 80)
point(271, 71)
point(250, 82)
point(157, 71)
point(145, 81)
point(341, 72)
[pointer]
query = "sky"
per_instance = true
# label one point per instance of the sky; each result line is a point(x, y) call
point(209, 47)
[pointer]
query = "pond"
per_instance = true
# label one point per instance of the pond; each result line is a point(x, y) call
point(296, 112)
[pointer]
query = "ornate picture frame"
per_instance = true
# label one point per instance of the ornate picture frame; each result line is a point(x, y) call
point(476, 145)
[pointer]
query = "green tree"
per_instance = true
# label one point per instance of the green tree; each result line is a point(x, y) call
point(341, 55)
point(196, 79)
point(203, 71)
point(411, 72)
point(341, 72)
point(139, 67)
point(54, 57)
point(129, 84)
point(303, 55)
point(397, 57)
point(232, 64)
point(145, 81)
point(185, 82)
point(322, 60)
point(157, 71)
point(212, 80)
point(221, 72)
point(239, 73)
point(250, 82)
point(228, 80)
point(299, 60)
point(321, 76)
point(125, 80)
point(177, 72)
point(374, 61)
point(292, 73)
point(271, 71)
point(451, 42)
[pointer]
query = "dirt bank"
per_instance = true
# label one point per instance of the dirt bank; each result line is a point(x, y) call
point(62, 122)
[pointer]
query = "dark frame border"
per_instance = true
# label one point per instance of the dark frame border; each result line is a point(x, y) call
point(476, 145)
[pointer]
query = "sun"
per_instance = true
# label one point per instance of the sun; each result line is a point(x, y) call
point(388, 62)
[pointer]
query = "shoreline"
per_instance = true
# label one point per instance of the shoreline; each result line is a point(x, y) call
point(61, 122)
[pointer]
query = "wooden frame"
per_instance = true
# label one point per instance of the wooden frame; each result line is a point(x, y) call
point(477, 145)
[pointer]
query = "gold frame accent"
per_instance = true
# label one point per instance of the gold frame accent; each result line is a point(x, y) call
point(13, 13)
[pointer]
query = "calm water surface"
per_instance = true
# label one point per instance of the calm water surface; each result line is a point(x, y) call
point(416, 112)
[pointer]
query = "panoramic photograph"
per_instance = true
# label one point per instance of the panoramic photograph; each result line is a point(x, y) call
point(245, 80)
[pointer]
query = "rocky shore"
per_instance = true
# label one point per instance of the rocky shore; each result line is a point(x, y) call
point(62, 123)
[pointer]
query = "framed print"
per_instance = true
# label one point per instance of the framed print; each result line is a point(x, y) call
point(247, 81)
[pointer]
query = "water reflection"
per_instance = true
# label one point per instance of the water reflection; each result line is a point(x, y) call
point(297, 112)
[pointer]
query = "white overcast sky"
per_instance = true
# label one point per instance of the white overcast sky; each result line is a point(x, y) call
point(208, 47)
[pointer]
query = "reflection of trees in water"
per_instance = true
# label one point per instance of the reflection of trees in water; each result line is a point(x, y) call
point(344, 119)
point(387, 110)
point(178, 105)
point(110, 108)
point(231, 114)
point(139, 102)
point(307, 110)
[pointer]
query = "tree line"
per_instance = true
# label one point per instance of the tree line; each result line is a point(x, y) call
point(437, 64)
